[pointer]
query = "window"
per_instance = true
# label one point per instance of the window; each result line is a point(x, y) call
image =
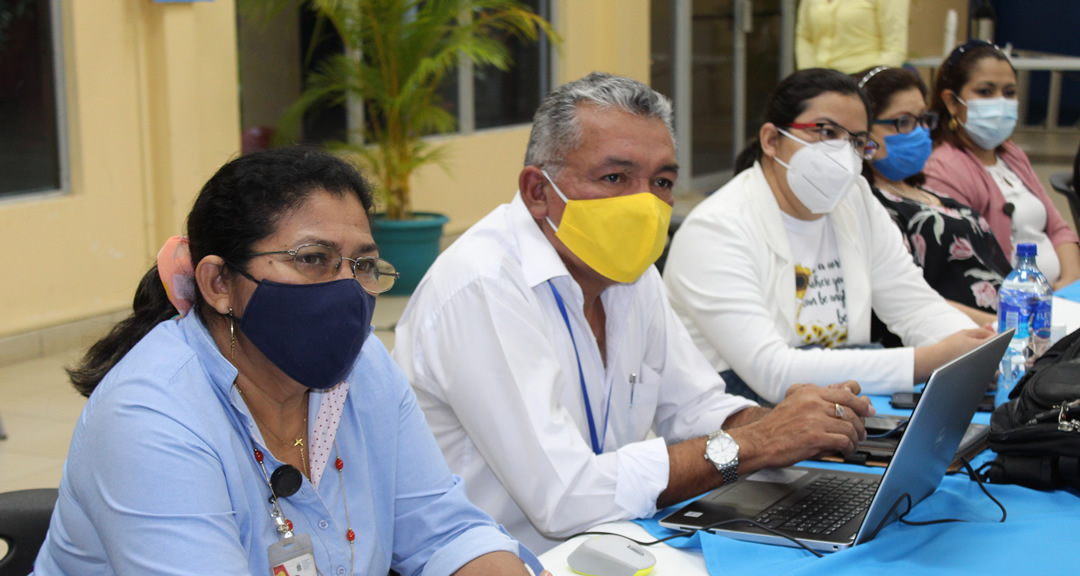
point(512, 97)
point(32, 157)
point(275, 57)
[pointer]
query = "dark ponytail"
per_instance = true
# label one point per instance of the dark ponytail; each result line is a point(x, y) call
point(239, 206)
point(150, 308)
point(789, 99)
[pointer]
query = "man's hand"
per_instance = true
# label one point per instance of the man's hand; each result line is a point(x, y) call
point(810, 421)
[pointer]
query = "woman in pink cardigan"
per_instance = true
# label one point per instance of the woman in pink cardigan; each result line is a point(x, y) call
point(975, 163)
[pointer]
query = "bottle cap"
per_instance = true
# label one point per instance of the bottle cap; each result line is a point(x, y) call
point(1027, 249)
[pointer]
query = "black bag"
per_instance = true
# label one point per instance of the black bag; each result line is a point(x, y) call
point(1036, 434)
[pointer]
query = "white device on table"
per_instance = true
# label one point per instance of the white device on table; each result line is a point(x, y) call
point(611, 555)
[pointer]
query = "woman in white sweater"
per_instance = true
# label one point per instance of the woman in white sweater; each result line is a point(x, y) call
point(781, 267)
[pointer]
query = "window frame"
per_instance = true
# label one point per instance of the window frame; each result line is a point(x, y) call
point(466, 94)
point(56, 25)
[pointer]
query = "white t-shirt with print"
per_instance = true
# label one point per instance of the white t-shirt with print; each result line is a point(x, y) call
point(820, 300)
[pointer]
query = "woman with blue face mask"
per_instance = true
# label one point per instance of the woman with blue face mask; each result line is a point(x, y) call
point(975, 163)
point(950, 242)
point(776, 275)
point(243, 420)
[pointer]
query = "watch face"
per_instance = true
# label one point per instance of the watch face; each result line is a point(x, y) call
point(722, 449)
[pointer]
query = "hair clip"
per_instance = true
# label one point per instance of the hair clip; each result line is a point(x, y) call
point(961, 49)
point(871, 74)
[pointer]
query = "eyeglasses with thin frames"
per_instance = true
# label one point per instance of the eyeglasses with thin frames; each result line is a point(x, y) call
point(321, 263)
point(836, 135)
point(906, 123)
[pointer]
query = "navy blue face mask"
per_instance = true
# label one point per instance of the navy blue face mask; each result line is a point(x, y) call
point(312, 332)
point(906, 154)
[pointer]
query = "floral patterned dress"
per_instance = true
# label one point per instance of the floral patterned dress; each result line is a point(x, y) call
point(953, 245)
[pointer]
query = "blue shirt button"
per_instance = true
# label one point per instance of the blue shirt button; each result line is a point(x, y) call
point(341, 571)
point(324, 524)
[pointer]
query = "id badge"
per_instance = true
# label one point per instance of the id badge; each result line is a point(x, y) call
point(292, 557)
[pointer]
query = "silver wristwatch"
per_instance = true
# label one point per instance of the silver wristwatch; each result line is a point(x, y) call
point(723, 451)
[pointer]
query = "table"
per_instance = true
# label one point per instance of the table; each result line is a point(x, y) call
point(1038, 536)
point(1066, 312)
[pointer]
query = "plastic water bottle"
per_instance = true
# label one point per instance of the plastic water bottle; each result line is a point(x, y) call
point(1025, 293)
point(1014, 362)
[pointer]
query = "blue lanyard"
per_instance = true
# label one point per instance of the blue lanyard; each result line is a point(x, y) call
point(597, 445)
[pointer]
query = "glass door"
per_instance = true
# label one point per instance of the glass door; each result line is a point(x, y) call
point(713, 89)
point(716, 60)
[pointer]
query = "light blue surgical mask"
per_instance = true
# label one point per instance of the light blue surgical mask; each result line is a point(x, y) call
point(990, 121)
point(906, 154)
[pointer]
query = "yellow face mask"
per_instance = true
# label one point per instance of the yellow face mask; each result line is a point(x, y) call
point(619, 237)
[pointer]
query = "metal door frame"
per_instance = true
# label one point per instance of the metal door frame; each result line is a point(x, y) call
point(683, 83)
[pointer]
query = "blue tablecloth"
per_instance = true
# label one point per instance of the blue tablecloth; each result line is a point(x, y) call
point(1039, 535)
point(1070, 292)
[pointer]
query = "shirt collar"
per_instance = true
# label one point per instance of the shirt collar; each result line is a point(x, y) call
point(539, 260)
point(221, 372)
point(768, 212)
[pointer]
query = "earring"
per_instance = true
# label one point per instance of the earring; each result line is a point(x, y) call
point(953, 124)
point(232, 335)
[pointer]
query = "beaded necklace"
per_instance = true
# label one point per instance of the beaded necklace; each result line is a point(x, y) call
point(282, 524)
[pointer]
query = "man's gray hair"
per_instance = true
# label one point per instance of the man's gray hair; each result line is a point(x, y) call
point(556, 130)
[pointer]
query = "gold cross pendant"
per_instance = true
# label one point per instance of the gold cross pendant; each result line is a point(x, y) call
point(299, 442)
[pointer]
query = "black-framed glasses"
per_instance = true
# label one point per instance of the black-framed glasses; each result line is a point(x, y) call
point(906, 123)
point(836, 136)
point(321, 263)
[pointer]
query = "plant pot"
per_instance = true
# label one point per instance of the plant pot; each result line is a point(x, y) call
point(410, 245)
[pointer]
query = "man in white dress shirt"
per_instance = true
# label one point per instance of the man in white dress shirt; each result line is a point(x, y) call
point(543, 350)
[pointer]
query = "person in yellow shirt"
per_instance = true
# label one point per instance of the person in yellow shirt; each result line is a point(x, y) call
point(851, 35)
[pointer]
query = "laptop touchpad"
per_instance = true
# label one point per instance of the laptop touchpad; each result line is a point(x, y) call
point(758, 491)
point(776, 475)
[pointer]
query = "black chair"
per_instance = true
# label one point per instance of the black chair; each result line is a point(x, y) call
point(1063, 183)
point(24, 521)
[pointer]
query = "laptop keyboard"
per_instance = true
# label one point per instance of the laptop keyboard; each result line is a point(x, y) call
point(830, 503)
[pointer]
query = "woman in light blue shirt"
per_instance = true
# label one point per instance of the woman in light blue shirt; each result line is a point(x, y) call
point(264, 433)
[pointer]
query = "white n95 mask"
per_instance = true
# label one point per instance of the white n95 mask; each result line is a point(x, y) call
point(820, 173)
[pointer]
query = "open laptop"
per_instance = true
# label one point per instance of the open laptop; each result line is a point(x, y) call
point(830, 510)
point(884, 432)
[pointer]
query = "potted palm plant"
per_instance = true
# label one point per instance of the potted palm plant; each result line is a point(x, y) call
point(396, 54)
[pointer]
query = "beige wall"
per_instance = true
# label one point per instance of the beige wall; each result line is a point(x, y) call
point(606, 35)
point(151, 105)
point(926, 28)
